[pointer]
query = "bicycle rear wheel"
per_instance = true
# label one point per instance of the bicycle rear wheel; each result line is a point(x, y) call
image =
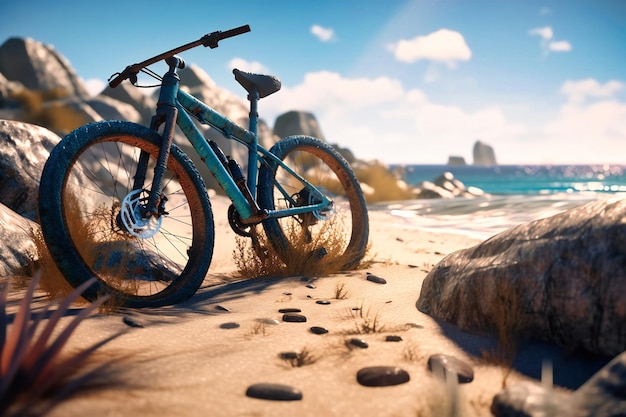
point(345, 222)
point(88, 209)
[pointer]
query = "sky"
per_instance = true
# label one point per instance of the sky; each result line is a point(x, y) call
point(400, 81)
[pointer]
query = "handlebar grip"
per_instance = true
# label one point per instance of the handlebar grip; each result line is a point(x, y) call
point(116, 81)
point(234, 32)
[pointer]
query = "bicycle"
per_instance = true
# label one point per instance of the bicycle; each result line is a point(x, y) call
point(122, 202)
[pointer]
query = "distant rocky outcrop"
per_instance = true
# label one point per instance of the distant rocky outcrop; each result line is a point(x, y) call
point(456, 160)
point(484, 154)
point(561, 279)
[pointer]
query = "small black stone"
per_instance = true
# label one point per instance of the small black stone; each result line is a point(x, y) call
point(132, 323)
point(376, 279)
point(318, 330)
point(222, 308)
point(393, 338)
point(288, 355)
point(382, 376)
point(229, 325)
point(290, 310)
point(449, 365)
point(274, 392)
point(360, 343)
point(294, 318)
point(311, 286)
point(323, 302)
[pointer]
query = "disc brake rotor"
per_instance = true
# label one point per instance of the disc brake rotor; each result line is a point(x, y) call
point(133, 220)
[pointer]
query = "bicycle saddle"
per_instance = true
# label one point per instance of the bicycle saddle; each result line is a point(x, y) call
point(264, 84)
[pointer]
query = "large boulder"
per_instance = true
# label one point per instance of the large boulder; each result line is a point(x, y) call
point(17, 248)
point(484, 154)
point(561, 279)
point(24, 149)
point(297, 123)
point(131, 95)
point(39, 67)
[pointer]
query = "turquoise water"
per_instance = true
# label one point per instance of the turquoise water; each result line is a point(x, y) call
point(516, 195)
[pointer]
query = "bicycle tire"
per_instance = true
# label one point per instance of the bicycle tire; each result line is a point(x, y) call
point(324, 167)
point(82, 190)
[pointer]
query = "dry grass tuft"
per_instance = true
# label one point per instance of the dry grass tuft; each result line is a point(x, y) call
point(341, 293)
point(385, 185)
point(302, 358)
point(365, 321)
point(34, 374)
point(324, 255)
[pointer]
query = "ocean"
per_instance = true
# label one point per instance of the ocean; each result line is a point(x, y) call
point(515, 194)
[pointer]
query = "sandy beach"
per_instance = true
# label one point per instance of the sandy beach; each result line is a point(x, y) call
point(199, 358)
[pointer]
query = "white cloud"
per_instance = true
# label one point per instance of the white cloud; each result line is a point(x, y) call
point(378, 119)
point(560, 46)
point(249, 66)
point(545, 32)
point(94, 86)
point(548, 44)
point(322, 33)
point(579, 91)
point(444, 45)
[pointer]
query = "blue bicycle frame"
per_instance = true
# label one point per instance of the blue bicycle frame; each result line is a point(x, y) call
point(172, 96)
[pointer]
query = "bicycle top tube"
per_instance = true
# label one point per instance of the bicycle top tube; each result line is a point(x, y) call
point(211, 40)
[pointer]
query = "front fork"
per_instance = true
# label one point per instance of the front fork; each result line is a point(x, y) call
point(166, 115)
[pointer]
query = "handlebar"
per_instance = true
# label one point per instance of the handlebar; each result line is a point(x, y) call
point(211, 40)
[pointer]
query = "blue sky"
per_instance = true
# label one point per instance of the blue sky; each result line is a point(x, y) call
point(402, 81)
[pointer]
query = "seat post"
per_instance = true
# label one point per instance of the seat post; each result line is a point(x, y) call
point(253, 96)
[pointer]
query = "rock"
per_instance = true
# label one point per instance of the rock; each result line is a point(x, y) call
point(294, 318)
point(109, 108)
point(318, 330)
point(360, 343)
point(450, 365)
point(24, 149)
point(131, 323)
point(323, 302)
point(297, 123)
point(382, 376)
point(561, 279)
point(275, 392)
point(131, 95)
point(601, 396)
point(456, 161)
point(376, 279)
point(230, 325)
point(17, 248)
point(393, 338)
point(271, 322)
point(484, 154)
point(39, 67)
point(290, 310)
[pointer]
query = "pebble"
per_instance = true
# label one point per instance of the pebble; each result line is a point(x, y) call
point(288, 355)
point(413, 326)
point(311, 286)
point(294, 318)
point(382, 376)
point(222, 308)
point(393, 338)
point(274, 392)
point(450, 364)
point(318, 330)
point(376, 279)
point(360, 343)
point(229, 325)
point(132, 323)
point(290, 310)
point(272, 322)
point(323, 302)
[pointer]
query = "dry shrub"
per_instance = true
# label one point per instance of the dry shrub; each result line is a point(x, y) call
point(48, 108)
point(323, 255)
point(385, 184)
point(510, 322)
point(54, 284)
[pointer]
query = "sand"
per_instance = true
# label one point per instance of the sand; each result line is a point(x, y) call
point(183, 363)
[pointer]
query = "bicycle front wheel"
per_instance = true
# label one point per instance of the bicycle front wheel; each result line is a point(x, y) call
point(344, 222)
point(88, 214)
